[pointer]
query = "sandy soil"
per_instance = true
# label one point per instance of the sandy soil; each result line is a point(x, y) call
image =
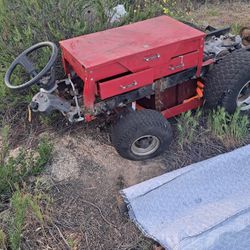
point(87, 176)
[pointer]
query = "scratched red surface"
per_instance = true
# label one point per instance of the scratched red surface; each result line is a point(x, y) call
point(102, 47)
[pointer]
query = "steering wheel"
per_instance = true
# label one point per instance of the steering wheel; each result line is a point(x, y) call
point(29, 66)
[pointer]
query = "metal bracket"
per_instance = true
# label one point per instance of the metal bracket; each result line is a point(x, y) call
point(80, 118)
point(45, 101)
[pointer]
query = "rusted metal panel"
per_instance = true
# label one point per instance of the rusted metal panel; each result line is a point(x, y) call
point(178, 109)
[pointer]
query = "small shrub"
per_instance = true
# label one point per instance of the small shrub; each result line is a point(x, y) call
point(5, 145)
point(232, 130)
point(20, 204)
point(2, 239)
point(71, 243)
point(44, 150)
point(187, 127)
point(15, 170)
point(235, 27)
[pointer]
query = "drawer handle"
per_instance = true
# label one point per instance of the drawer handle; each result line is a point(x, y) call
point(177, 67)
point(150, 58)
point(134, 83)
point(181, 65)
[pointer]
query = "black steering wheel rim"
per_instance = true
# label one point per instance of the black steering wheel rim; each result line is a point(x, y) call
point(23, 60)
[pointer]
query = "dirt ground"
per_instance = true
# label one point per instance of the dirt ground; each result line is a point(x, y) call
point(87, 174)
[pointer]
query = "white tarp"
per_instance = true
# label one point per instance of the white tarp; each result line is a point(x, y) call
point(203, 206)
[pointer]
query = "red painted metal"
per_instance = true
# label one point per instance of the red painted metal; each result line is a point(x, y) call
point(177, 110)
point(118, 60)
point(126, 83)
point(208, 62)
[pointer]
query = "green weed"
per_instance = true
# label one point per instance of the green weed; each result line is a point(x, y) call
point(2, 239)
point(235, 28)
point(20, 203)
point(17, 169)
point(44, 151)
point(71, 243)
point(187, 126)
point(5, 144)
point(232, 130)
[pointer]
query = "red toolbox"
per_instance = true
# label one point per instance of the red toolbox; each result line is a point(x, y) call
point(126, 58)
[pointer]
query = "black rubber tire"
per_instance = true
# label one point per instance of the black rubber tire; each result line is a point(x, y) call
point(136, 124)
point(225, 80)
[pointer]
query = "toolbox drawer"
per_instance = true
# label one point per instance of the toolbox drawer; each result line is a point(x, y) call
point(183, 62)
point(162, 55)
point(125, 84)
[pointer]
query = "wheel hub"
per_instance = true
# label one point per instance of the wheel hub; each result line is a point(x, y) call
point(243, 99)
point(145, 145)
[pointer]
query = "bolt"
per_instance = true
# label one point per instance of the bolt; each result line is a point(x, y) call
point(34, 105)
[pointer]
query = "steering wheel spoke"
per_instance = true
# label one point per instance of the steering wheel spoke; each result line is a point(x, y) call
point(28, 65)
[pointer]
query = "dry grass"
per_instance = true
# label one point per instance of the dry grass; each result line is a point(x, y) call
point(235, 14)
